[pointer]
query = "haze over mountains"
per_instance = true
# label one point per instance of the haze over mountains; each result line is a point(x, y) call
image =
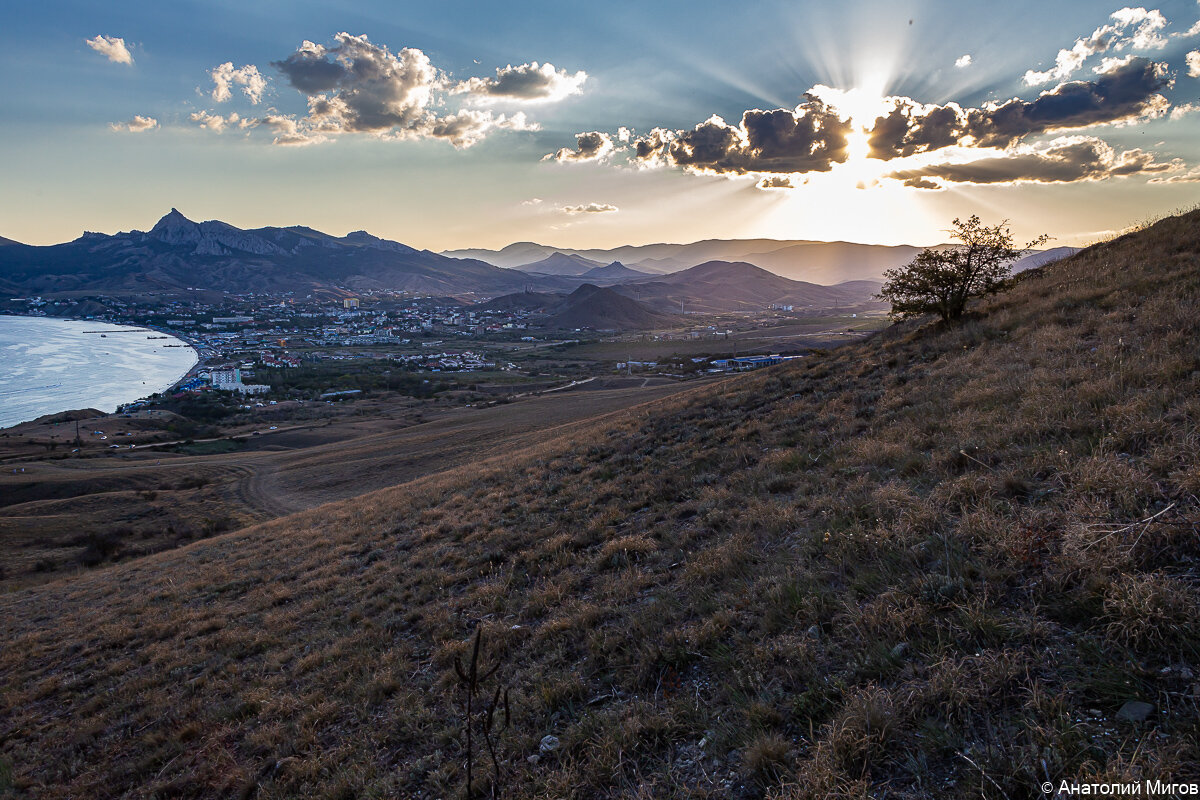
point(816, 262)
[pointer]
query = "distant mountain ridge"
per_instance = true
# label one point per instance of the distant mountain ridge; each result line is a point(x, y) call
point(561, 264)
point(178, 254)
point(738, 286)
point(816, 262)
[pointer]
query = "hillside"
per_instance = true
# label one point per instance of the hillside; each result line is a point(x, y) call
point(616, 272)
point(945, 562)
point(560, 264)
point(598, 308)
point(178, 254)
point(738, 286)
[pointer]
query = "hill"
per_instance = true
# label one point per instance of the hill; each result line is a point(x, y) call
point(591, 306)
point(946, 562)
point(616, 272)
point(815, 262)
point(560, 264)
point(738, 286)
point(178, 253)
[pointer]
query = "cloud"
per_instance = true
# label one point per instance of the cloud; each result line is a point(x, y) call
point(922, 183)
point(218, 123)
point(590, 208)
point(1145, 35)
point(1128, 90)
point(776, 182)
point(1193, 64)
point(590, 146)
point(1179, 112)
point(1063, 160)
point(225, 77)
point(963, 61)
point(810, 138)
point(289, 133)
point(357, 86)
point(1191, 176)
point(528, 82)
point(138, 124)
point(111, 47)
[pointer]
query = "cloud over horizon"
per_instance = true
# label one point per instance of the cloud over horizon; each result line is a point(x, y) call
point(1063, 160)
point(1128, 90)
point(139, 124)
point(590, 208)
point(810, 138)
point(111, 47)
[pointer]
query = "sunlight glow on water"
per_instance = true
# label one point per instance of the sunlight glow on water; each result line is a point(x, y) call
point(49, 365)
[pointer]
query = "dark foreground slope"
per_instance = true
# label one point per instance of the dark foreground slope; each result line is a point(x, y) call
point(934, 564)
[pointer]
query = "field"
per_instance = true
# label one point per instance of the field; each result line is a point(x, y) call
point(948, 561)
point(62, 516)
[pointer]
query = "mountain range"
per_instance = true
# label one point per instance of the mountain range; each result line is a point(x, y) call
point(178, 254)
point(815, 262)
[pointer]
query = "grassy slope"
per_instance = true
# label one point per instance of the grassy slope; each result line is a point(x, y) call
point(907, 564)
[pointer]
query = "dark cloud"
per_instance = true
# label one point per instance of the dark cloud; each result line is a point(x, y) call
point(921, 183)
point(309, 70)
point(1127, 90)
point(1064, 160)
point(590, 146)
point(810, 138)
point(529, 82)
point(776, 182)
point(360, 87)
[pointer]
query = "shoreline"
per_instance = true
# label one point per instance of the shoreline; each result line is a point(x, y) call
point(115, 326)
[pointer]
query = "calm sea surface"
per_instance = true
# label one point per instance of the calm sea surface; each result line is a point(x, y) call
point(49, 365)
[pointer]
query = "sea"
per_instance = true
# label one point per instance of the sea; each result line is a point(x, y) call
point(48, 365)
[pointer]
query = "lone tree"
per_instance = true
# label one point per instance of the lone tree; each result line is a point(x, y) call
point(943, 281)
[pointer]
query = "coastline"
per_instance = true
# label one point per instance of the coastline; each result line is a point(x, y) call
point(175, 380)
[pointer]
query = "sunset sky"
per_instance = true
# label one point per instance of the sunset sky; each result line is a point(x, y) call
point(472, 124)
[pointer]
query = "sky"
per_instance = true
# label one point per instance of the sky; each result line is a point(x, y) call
point(459, 124)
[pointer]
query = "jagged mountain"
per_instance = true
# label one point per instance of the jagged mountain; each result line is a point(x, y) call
point(178, 253)
point(738, 286)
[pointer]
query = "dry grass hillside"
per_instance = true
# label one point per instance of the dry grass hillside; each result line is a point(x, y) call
point(937, 563)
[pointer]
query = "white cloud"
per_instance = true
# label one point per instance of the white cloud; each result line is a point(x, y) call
point(963, 61)
point(225, 77)
point(590, 208)
point(111, 47)
point(1193, 64)
point(138, 124)
point(1145, 35)
point(532, 82)
point(218, 123)
point(1179, 112)
point(1191, 176)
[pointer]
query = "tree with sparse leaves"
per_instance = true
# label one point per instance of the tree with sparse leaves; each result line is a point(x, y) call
point(942, 281)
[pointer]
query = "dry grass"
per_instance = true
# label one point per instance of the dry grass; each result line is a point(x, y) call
point(932, 564)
